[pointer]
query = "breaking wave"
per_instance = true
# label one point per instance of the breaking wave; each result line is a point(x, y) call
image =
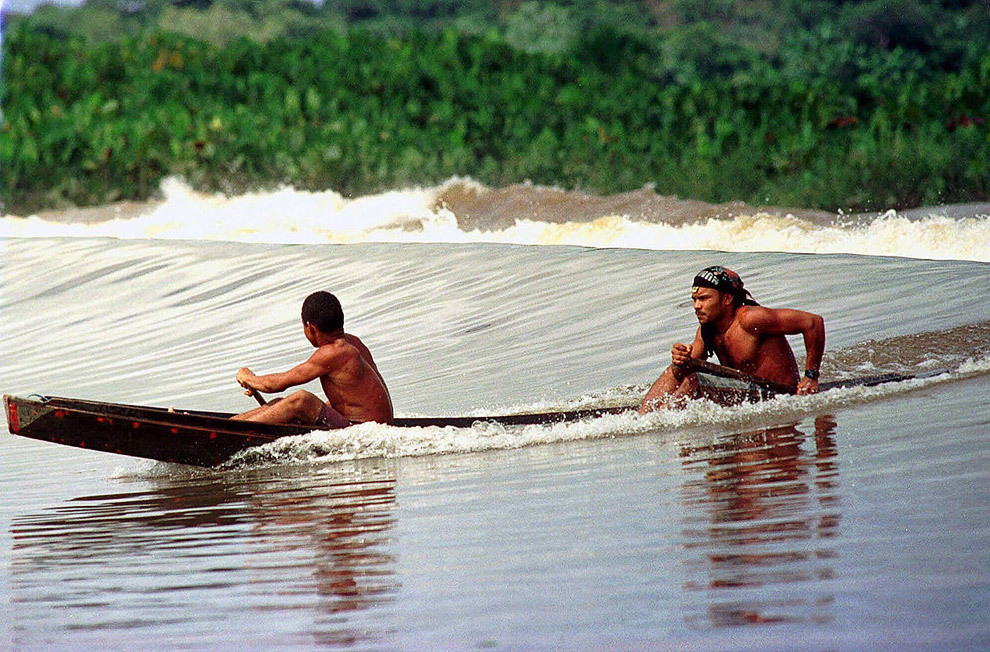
point(462, 211)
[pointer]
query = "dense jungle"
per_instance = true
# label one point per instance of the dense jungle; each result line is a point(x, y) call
point(814, 103)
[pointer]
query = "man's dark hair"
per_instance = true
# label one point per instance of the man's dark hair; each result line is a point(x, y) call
point(708, 337)
point(323, 310)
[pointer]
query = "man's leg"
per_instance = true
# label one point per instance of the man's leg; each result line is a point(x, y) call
point(300, 407)
point(261, 409)
point(331, 418)
point(668, 392)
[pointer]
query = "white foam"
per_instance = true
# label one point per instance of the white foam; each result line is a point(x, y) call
point(375, 440)
point(295, 216)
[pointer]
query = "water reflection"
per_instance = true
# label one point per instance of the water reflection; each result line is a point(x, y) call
point(294, 557)
point(763, 511)
point(346, 532)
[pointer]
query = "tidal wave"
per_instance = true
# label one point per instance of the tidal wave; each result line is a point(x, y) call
point(461, 211)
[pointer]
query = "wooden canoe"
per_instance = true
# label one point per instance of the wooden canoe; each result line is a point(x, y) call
point(210, 438)
point(192, 437)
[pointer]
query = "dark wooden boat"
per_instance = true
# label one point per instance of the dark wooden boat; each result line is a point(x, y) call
point(210, 438)
point(191, 437)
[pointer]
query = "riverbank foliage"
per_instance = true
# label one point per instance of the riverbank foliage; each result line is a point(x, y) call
point(815, 104)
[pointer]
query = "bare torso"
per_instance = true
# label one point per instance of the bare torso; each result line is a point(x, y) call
point(354, 386)
point(763, 355)
point(750, 338)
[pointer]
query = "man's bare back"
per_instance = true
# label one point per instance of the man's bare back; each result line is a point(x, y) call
point(354, 387)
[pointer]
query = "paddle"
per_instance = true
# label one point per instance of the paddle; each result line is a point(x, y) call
point(252, 392)
point(728, 372)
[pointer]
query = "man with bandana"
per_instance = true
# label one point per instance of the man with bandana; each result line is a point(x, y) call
point(745, 336)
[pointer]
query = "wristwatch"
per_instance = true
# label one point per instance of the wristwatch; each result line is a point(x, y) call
point(811, 373)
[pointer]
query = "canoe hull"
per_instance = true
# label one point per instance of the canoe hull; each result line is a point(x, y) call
point(192, 437)
point(210, 438)
point(200, 441)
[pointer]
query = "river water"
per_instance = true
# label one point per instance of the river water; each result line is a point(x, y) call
point(855, 519)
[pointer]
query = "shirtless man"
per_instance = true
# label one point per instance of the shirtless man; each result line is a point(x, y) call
point(744, 336)
point(344, 366)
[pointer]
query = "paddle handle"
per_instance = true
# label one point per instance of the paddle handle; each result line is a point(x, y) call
point(695, 364)
point(258, 397)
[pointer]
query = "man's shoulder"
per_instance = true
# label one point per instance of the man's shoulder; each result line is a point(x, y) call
point(340, 349)
point(747, 315)
point(354, 340)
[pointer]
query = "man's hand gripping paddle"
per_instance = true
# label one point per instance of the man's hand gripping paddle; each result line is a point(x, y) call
point(245, 372)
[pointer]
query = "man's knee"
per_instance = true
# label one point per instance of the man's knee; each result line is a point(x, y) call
point(302, 406)
point(302, 398)
point(683, 384)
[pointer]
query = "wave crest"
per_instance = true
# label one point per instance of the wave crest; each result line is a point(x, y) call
point(461, 211)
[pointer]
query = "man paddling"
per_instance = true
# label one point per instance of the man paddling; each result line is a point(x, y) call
point(354, 386)
point(744, 336)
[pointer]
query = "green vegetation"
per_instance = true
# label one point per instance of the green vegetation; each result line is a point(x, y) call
point(858, 105)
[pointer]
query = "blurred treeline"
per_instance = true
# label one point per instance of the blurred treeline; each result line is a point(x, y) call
point(813, 103)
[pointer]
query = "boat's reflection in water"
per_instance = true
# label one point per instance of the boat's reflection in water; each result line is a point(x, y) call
point(312, 545)
point(763, 514)
point(292, 556)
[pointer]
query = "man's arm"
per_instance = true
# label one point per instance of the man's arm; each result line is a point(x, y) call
point(670, 381)
point(768, 321)
point(681, 353)
point(322, 362)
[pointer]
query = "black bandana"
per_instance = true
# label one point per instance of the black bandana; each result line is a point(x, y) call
point(724, 280)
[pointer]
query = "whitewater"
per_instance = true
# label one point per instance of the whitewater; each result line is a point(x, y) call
point(421, 215)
